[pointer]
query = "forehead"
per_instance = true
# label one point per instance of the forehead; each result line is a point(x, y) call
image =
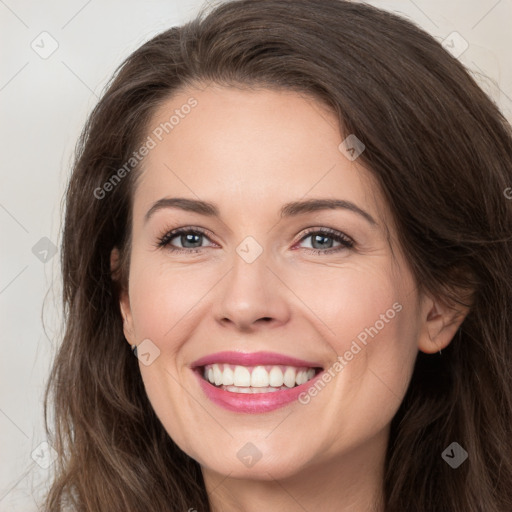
point(249, 149)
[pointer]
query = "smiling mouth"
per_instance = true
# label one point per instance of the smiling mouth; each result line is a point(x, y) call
point(256, 379)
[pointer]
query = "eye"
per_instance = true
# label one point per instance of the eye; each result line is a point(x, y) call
point(190, 239)
point(323, 239)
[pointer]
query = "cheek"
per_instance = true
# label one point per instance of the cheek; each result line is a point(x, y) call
point(378, 345)
point(162, 296)
point(350, 301)
point(367, 316)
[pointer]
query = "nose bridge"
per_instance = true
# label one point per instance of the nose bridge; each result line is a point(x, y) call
point(251, 291)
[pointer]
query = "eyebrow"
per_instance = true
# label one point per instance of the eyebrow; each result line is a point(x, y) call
point(291, 209)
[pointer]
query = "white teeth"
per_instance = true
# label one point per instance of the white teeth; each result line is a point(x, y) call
point(234, 389)
point(269, 378)
point(259, 377)
point(304, 375)
point(217, 375)
point(275, 377)
point(241, 376)
point(227, 377)
point(289, 377)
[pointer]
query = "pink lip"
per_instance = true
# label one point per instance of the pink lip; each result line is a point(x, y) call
point(255, 402)
point(253, 359)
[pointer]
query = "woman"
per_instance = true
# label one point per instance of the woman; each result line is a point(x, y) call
point(294, 212)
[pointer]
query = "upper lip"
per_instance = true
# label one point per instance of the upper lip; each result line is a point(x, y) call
point(253, 359)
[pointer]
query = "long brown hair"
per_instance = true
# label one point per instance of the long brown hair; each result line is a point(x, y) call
point(442, 153)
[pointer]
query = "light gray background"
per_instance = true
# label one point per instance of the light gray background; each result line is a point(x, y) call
point(43, 105)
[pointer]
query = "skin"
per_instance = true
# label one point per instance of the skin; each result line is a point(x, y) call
point(250, 152)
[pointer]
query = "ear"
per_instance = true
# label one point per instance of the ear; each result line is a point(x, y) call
point(124, 298)
point(439, 324)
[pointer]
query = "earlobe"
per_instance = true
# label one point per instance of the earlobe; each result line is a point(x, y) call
point(124, 306)
point(124, 299)
point(440, 323)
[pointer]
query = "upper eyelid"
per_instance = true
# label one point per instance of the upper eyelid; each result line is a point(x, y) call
point(170, 234)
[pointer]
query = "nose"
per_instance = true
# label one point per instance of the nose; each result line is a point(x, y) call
point(252, 296)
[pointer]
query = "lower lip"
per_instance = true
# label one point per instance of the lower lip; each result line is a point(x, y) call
point(253, 402)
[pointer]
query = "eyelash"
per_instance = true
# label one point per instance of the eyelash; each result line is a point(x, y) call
point(346, 242)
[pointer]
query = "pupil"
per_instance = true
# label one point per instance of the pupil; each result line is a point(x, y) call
point(321, 239)
point(190, 238)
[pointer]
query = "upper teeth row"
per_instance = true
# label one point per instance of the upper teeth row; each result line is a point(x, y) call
point(260, 377)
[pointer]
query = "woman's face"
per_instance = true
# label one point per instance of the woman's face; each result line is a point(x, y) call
point(259, 273)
